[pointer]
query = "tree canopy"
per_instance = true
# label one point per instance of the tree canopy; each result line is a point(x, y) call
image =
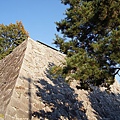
point(91, 40)
point(11, 36)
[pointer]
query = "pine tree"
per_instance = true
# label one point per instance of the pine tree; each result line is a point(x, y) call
point(10, 37)
point(91, 41)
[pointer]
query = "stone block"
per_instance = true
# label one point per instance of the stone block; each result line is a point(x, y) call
point(38, 105)
point(15, 103)
point(24, 100)
point(18, 104)
point(11, 111)
point(8, 117)
point(22, 114)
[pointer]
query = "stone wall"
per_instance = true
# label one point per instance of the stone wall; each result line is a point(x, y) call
point(9, 71)
point(35, 95)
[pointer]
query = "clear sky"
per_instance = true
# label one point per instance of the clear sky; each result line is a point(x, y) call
point(37, 16)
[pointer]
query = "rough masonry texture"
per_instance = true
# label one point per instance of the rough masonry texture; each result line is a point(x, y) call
point(28, 91)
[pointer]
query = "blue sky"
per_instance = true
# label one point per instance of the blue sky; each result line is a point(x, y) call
point(37, 16)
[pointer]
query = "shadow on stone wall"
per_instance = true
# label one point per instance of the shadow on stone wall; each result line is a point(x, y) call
point(106, 105)
point(29, 80)
point(60, 101)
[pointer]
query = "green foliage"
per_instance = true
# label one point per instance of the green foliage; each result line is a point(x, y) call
point(91, 40)
point(10, 37)
point(55, 71)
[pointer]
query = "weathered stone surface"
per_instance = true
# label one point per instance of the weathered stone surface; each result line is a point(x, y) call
point(9, 117)
point(9, 71)
point(28, 92)
point(22, 114)
point(11, 111)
